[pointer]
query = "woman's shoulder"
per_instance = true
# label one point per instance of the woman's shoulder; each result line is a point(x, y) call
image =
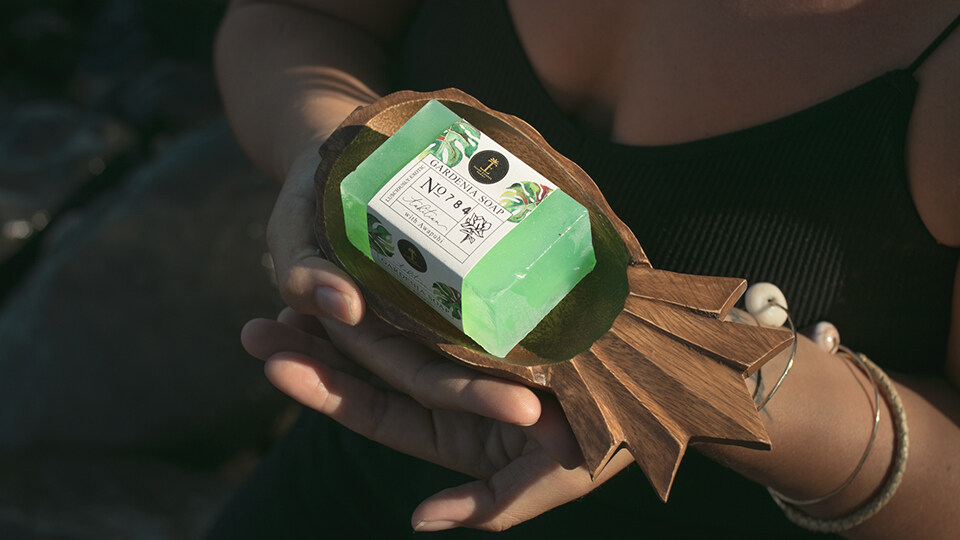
point(934, 141)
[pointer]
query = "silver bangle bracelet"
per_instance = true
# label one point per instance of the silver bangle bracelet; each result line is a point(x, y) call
point(866, 453)
point(892, 482)
point(759, 302)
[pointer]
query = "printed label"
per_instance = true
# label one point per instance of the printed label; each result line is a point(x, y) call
point(435, 219)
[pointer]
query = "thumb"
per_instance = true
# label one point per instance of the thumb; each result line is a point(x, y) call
point(524, 489)
point(308, 283)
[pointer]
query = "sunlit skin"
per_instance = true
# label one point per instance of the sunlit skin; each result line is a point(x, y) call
point(291, 71)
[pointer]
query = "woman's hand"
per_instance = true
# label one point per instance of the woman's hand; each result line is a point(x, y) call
point(308, 283)
point(289, 73)
point(386, 387)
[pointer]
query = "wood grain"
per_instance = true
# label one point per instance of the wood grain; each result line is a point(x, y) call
point(637, 357)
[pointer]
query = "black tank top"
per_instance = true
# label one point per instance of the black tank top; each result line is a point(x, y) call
point(816, 202)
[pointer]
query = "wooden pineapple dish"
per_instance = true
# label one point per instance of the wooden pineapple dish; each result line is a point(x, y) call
point(637, 357)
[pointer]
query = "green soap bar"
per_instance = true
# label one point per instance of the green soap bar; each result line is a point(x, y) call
point(362, 184)
point(515, 285)
point(512, 287)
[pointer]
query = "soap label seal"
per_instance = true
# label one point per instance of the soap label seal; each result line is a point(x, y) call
point(488, 167)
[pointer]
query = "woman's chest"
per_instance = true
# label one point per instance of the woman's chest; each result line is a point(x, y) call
point(658, 72)
point(816, 201)
point(661, 72)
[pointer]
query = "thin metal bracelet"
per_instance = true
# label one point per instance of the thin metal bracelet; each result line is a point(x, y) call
point(892, 482)
point(786, 369)
point(866, 451)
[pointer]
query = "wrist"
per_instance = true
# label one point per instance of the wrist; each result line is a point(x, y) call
point(820, 422)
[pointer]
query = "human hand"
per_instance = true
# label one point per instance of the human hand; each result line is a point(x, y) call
point(308, 283)
point(390, 389)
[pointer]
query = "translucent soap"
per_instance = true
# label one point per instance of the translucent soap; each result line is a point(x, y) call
point(527, 273)
point(362, 184)
point(474, 232)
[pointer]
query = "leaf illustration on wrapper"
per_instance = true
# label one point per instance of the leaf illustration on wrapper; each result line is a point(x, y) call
point(448, 298)
point(521, 198)
point(460, 139)
point(381, 240)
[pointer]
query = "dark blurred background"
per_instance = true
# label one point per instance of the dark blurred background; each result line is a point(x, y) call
point(131, 252)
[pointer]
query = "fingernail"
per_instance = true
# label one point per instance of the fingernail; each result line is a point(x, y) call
point(433, 526)
point(334, 304)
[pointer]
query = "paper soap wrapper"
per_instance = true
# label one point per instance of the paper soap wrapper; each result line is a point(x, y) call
point(473, 231)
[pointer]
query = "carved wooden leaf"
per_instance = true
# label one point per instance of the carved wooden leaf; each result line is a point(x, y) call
point(637, 357)
point(669, 371)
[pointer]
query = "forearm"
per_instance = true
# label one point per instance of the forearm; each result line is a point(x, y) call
point(820, 422)
point(289, 75)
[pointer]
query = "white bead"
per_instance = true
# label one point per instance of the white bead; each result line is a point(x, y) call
point(826, 336)
point(766, 303)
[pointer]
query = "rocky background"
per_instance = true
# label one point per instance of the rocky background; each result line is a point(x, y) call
point(131, 252)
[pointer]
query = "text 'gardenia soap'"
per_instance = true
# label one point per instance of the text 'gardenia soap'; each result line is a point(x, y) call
point(473, 231)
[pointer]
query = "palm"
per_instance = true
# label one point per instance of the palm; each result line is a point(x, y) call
point(475, 445)
point(396, 392)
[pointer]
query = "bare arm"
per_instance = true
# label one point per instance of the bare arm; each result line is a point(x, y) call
point(820, 422)
point(291, 71)
point(288, 79)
